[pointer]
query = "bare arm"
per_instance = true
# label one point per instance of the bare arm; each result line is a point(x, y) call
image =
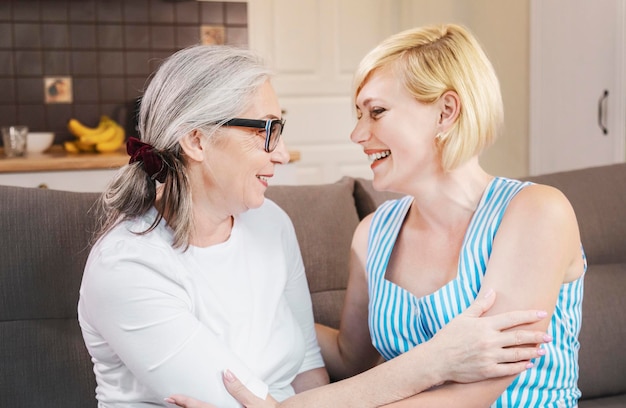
point(310, 379)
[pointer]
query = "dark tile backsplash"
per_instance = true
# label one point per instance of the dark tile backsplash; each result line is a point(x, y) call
point(107, 47)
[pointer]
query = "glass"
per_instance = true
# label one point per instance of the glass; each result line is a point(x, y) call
point(273, 129)
point(14, 140)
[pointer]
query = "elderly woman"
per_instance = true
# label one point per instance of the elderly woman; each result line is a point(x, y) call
point(194, 272)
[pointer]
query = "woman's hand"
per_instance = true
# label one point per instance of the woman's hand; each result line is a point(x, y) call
point(476, 348)
point(470, 348)
point(188, 402)
point(235, 388)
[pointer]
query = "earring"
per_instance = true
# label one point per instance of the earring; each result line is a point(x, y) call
point(439, 137)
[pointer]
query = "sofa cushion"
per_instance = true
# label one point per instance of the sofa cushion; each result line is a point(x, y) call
point(45, 240)
point(45, 364)
point(44, 243)
point(602, 358)
point(324, 217)
point(616, 401)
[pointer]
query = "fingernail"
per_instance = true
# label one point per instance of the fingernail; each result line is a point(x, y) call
point(542, 352)
point(228, 376)
point(170, 400)
point(489, 293)
point(542, 314)
point(530, 365)
point(547, 338)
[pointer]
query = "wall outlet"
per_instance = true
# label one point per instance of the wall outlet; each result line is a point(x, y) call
point(57, 89)
point(212, 35)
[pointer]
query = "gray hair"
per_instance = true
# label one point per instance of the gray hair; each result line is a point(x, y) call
point(197, 88)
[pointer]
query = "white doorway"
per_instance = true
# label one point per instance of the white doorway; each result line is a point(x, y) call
point(314, 47)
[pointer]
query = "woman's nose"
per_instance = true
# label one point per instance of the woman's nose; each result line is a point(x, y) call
point(360, 133)
point(280, 154)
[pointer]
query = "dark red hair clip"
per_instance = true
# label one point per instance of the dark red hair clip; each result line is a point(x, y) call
point(152, 161)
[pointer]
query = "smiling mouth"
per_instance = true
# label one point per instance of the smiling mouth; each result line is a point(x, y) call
point(377, 156)
point(263, 178)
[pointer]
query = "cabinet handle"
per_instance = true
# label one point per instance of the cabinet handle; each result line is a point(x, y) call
point(602, 112)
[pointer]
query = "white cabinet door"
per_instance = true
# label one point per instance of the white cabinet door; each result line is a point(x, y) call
point(314, 46)
point(578, 90)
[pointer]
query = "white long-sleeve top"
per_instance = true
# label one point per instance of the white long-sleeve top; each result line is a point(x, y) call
point(159, 321)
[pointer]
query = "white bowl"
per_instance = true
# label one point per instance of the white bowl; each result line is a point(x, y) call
point(39, 142)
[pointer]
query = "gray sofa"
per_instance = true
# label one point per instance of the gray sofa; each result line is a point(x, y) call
point(45, 242)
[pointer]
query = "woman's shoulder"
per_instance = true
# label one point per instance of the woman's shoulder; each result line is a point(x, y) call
point(540, 210)
point(544, 204)
point(526, 200)
point(130, 245)
point(137, 233)
point(122, 262)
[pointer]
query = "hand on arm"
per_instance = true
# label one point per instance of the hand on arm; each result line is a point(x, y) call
point(445, 358)
point(236, 389)
point(344, 349)
point(536, 250)
point(307, 380)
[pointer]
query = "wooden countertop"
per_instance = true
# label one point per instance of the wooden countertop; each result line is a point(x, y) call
point(57, 159)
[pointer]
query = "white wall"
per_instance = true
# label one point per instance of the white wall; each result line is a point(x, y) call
point(502, 27)
point(315, 45)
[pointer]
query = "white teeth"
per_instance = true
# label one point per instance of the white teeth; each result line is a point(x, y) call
point(376, 156)
point(262, 178)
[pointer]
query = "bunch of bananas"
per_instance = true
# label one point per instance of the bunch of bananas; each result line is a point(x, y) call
point(107, 137)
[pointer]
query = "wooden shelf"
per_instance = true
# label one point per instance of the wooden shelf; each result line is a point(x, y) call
point(57, 159)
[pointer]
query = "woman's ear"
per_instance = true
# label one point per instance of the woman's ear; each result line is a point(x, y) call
point(192, 145)
point(450, 109)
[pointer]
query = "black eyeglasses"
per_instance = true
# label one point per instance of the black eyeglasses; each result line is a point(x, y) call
point(273, 129)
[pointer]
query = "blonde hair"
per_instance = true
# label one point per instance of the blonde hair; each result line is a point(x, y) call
point(432, 60)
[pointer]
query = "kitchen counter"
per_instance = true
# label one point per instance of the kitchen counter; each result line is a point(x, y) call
point(57, 159)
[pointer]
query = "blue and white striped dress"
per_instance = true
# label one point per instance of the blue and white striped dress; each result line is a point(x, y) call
point(398, 320)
